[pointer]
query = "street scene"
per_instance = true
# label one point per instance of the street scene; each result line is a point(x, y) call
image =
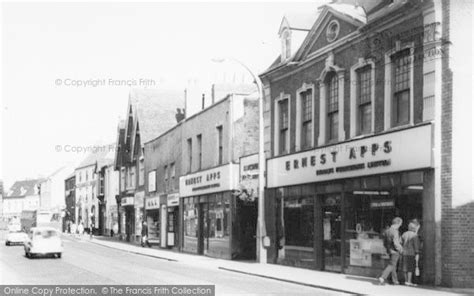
point(237, 148)
point(87, 263)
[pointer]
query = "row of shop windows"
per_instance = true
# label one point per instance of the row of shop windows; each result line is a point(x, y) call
point(206, 223)
point(338, 227)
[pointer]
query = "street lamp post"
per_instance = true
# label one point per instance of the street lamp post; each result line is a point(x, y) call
point(261, 232)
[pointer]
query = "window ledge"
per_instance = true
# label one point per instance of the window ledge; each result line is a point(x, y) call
point(363, 136)
point(400, 127)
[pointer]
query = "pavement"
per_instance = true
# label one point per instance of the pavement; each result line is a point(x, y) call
point(327, 281)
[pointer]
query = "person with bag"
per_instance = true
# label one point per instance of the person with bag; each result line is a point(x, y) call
point(411, 250)
point(394, 249)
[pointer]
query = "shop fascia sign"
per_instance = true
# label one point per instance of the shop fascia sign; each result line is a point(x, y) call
point(152, 203)
point(172, 200)
point(391, 152)
point(249, 174)
point(217, 179)
point(127, 201)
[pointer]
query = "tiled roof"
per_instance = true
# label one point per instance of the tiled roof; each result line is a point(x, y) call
point(154, 110)
point(23, 188)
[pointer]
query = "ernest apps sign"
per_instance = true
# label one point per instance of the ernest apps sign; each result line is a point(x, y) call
point(391, 152)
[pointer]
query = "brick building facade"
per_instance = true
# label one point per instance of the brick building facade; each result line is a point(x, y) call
point(360, 80)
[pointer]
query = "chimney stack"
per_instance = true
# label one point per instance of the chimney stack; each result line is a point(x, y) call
point(213, 94)
point(203, 101)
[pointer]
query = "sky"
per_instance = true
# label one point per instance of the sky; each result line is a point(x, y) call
point(67, 68)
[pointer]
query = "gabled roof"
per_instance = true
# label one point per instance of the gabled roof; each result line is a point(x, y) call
point(119, 144)
point(354, 12)
point(23, 188)
point(153, 112)
point(385, 8)
point(350, 13)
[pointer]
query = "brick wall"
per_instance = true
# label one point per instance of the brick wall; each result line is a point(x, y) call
point(457, 230)
point(345, 58)
point(246, 130)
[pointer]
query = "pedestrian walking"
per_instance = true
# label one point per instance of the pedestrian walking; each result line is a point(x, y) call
point(115, 228)
point(145, 234)
point(394, 248)
point(91, 232)
point(73, 229)
point(411, 251)
point(80, 228)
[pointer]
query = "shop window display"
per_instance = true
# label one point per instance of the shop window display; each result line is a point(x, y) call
point(218, 226)
point(295, 224)
point(368, 214)
point(190, 226)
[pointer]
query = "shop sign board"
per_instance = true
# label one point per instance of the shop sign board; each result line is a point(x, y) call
point(396, 151)
point(152, 203)
point(249, 174)
point(382, 204)
point(172, 200)
point(223, 178)
point(127, 201)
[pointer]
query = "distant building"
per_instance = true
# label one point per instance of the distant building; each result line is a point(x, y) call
point(52, 189)
point(87, 186)
point(150, 112)
point(23, 195)
point(108, 195)
point(70, 200)
point(197, 98)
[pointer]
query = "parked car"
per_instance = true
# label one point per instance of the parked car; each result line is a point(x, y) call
point(16, 238)
point(43, 241)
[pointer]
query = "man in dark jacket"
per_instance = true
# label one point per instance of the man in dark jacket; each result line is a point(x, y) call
point(394, 249)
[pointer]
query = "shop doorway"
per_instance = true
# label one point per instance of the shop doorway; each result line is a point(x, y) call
point(203, 228)
point(332, 240)
point(101, 219)
point(246, 229)
point(129, 223)
point(172, 226)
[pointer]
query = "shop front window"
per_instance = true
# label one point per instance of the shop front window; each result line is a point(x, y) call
point(153, 222)
point(190, 225)
point(369, 211)
point(218, 226)
point(295, 225)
